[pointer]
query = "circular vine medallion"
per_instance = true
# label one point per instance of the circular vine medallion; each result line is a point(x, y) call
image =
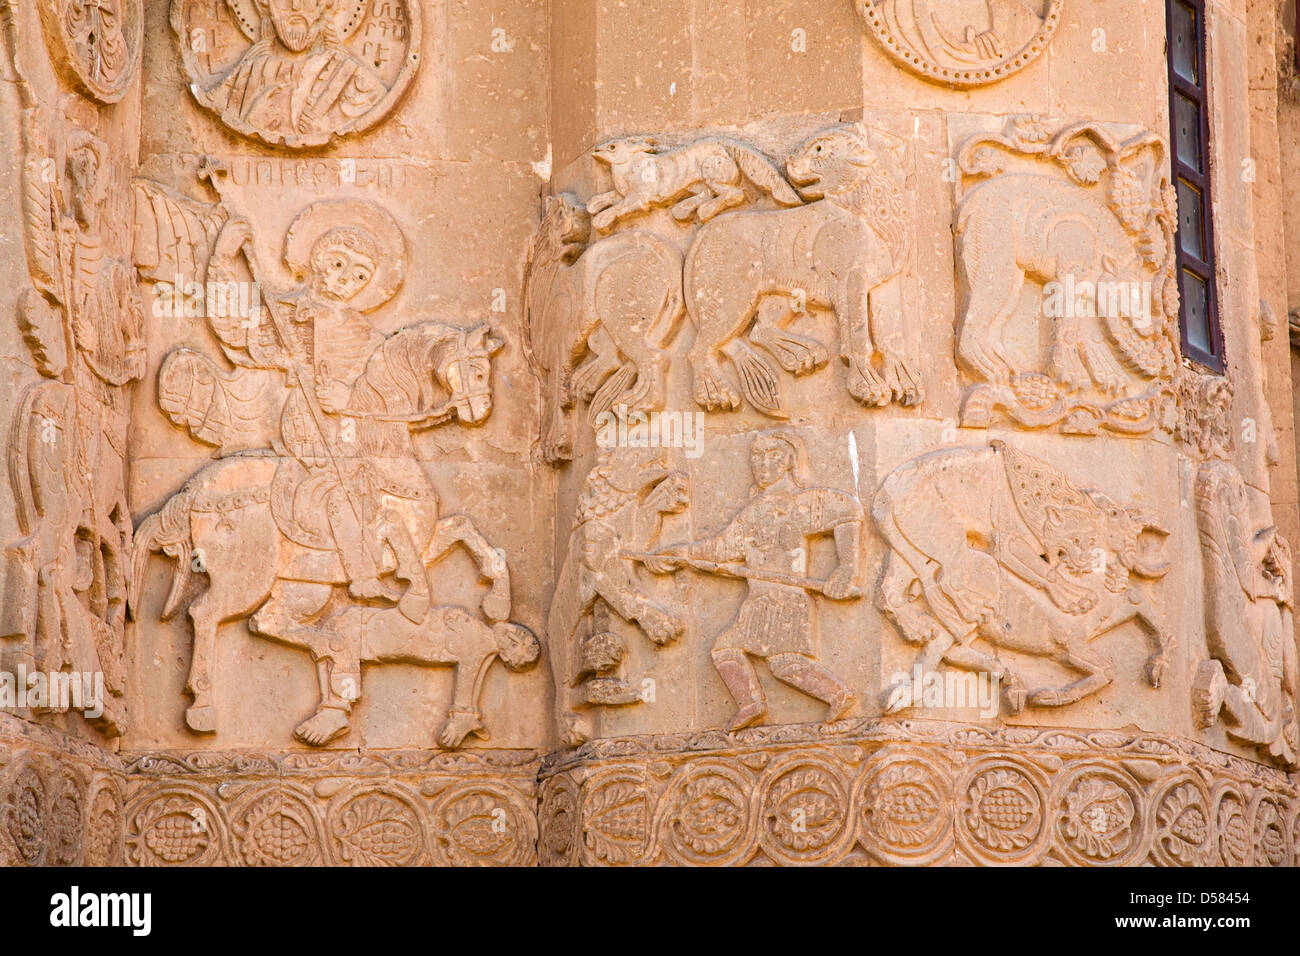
point(277, 827)
point(1100, 816)
point(905, 809)
point(804, 812)
point(174, 827)
point(1000, 819)
point(375, 827)
point(704, 817)
point(962, 43)
point(1184, 827)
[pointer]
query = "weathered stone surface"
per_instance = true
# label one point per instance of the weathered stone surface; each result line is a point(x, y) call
point(683, 432)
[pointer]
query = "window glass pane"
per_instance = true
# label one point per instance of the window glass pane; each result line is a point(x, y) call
point(1191, 234)
point(1196, 312)
point(1182, 41)
point(1187, 132)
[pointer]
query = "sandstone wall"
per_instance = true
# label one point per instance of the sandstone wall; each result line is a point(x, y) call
point(678, 432)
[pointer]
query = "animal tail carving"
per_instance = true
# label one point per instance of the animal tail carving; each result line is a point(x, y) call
point(758, 169)
point(624, 387)
point(166, 530)
point(757, 381)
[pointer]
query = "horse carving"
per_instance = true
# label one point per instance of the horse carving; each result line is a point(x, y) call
point(280, 570)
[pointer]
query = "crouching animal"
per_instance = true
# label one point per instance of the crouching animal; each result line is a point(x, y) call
point(992, 544)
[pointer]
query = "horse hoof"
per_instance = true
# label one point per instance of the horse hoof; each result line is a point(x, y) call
point(496, 607)
point(201, 720)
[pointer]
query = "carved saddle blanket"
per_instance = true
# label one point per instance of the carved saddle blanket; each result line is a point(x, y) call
point(298, 498)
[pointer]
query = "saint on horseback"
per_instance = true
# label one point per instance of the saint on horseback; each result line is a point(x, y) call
point(318, 501)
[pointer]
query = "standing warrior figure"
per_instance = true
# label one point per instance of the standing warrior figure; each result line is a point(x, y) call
point(768, 544)
point(82, 321)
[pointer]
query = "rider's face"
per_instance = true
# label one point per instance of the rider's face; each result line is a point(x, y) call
point(298, 22)
point(770, 461)
point(342, 272)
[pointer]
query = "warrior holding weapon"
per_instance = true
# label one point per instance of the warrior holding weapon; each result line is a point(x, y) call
point(767, 544)
point(351, 254)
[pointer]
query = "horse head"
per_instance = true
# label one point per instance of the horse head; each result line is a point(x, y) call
point(462, 366)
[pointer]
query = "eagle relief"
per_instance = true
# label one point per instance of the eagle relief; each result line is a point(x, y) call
point(298, 73)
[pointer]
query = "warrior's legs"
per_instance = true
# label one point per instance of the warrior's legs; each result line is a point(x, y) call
point(742, 683)
point(349, 535)
point(803, 673)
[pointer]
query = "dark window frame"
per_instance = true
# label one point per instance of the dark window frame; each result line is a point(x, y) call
point(1204, 269)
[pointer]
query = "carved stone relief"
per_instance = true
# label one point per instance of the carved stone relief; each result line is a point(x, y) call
point(298, 73)
point(619, 514)
point(767, 544)
point(1251, 680)
point(317, 522)
point(95, 44)
point(962, 43)
point(1066, 236)
point(386, 808)
point(1055, 567)
point(756, 246)
point(913, 793)
point(65, 580)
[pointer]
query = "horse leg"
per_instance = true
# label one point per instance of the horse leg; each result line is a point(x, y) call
point(394, 531)
point(459, 529)
point(201, 716)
